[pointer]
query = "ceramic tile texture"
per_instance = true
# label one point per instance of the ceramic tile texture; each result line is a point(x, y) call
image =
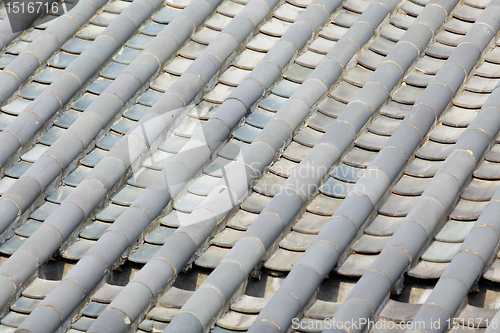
point(251, 165)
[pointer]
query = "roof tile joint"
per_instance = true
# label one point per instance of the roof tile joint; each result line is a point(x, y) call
point(20, 141)
point(154, 56)
point(283, 120)
point(439, 305)
point(412, 44)
point(403, 249)
point(270, 321)
point(346, 217)
point(179, 231)
point(382, 4)
point(113, 93)
point(487, 226)
point(328, 242)
point(11, 280)
point(80, 81)
point(92, 55)
point(381, 273)
point(376, 169)
point(278, 215)
point(259, 240)
point(450, 174)
point(11, 72)
point(358, 101)
point(252, 78)
point(114, 40)
point(364, 300)
point(190, 19)
point(50, 33)
point(351, 41)
point(430, 106)
point(467, 151)
point(53, 308)
point(51, 93)
point(329, 144)
point(365, 22)
point(271, 60)
point(473, 252)
point(453, 277)
point(19, 209)
point(204, 285)
point(438, 5)
point(255, 141)
point(39, 60)
point(168, 261)
point(443, 84)
point(51, 226)
point(76, 203)
point(234, 262)
point(294, 190)
point(41, 188)
point(81, 285)
point(420, 224)
point(480, 129)
point(93, 4)
point(322, 5)
point(290, 293)
point(60, 163)
point(428, 26)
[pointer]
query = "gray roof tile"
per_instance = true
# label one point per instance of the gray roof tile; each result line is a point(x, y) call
point(275, 27)
point(411, 8)
point(449, 38)
point(318, 144)
point(211, 257)
point(467, 13)
point(242, 220)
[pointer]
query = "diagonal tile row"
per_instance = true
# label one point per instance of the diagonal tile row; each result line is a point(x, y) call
point(143, 255)
point(23, 119)
point(81, 247)
point(66, 144)
point(39, 45)
point(460, 244)
point(213, 261)
point(281, 59)
point(85, 62)
point(462, 318)
point(25, 129)
point(214, 256)
point(281, 316)
point(164, 53)
point(404, 246)
point(9, 37)
point(80, 60)
point(69, 181)
point(469, 260)
point(63, 122)
point(168, 149)
point(410, 186)
point(448, 239)
point(264, 190)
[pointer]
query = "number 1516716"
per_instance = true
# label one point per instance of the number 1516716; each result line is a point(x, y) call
point(30, 7)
